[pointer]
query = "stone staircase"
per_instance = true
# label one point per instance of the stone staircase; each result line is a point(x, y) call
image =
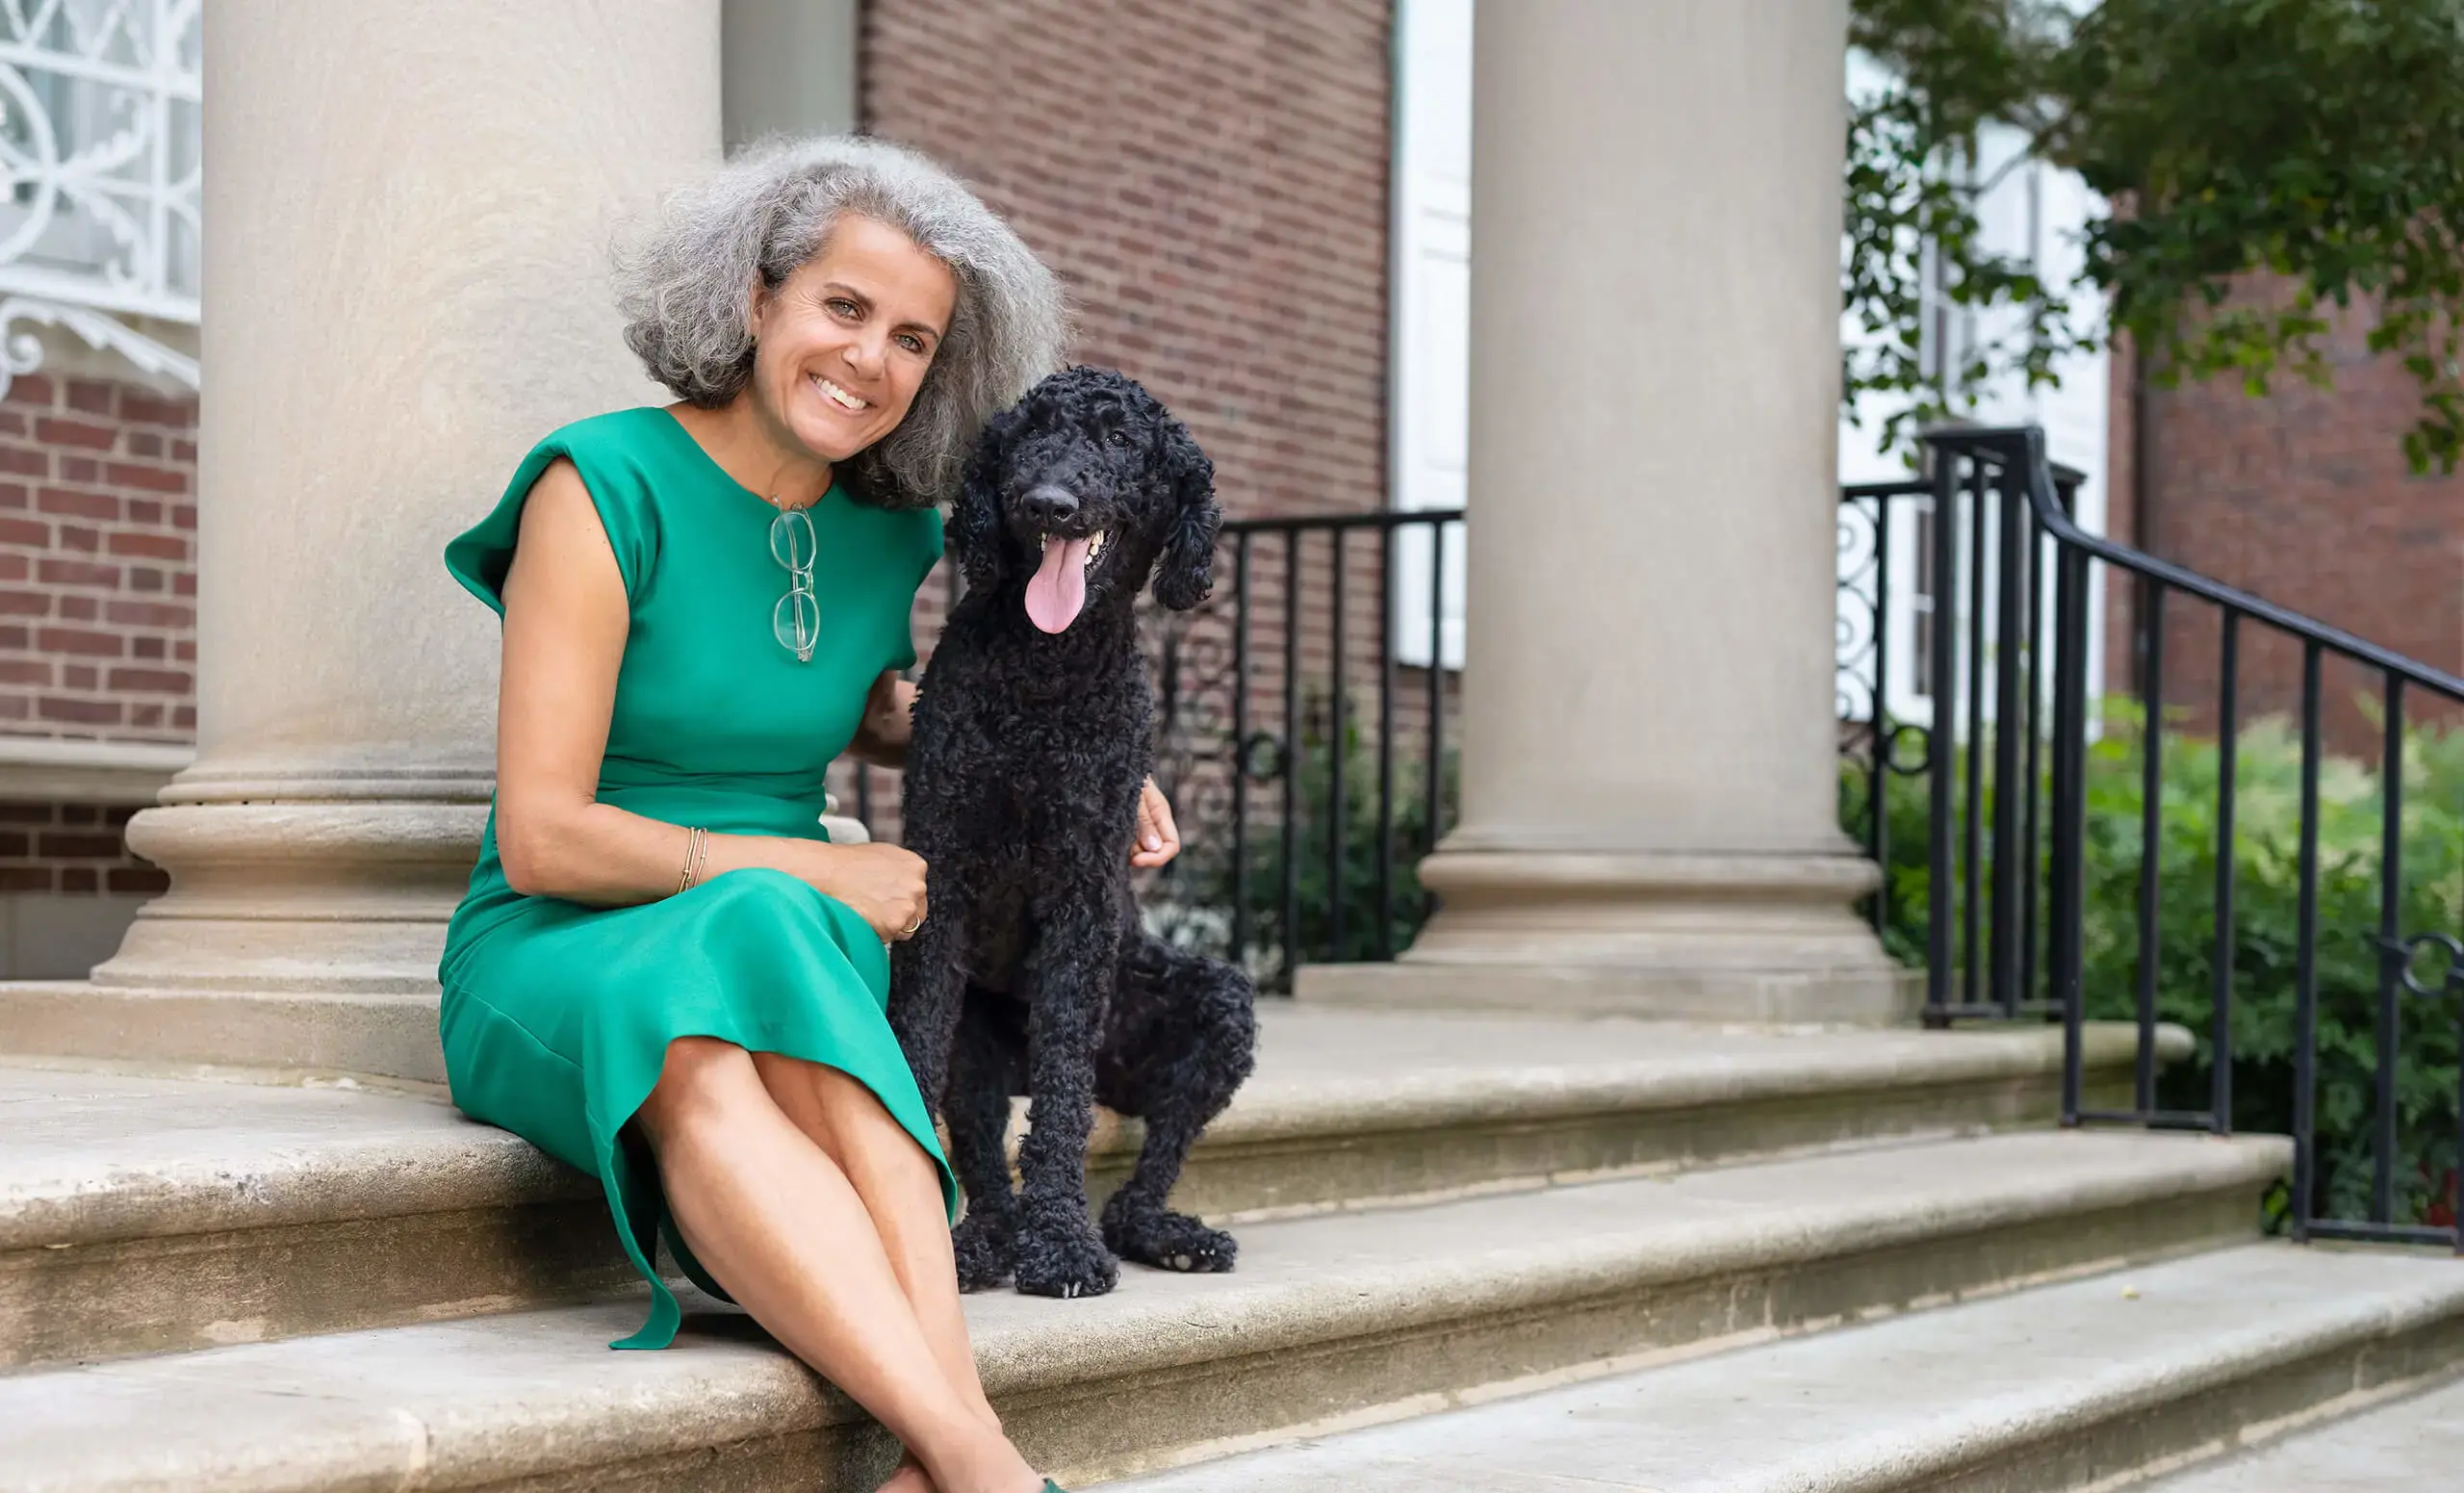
point(1684, 1257)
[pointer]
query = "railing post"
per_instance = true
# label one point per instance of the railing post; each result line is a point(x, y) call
point(2229, 737)
point(1338, 751)
point(1974, 989)
point(2070, 809)
point(1940, 750)
point(2009, 725)
point(2392, 952)
point(2151, 833)
point(1241, 748)
point(1878, 783)
point(2305, 977)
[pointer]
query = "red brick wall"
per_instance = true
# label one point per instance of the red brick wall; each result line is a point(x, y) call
point(97, 605)
point(1209, 179)
point(97, 561)
point(2303, 497)
point(2121, 515)
point(75, 848)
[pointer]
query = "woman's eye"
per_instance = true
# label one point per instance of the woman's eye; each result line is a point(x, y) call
point(845, 308)
point(912, 342)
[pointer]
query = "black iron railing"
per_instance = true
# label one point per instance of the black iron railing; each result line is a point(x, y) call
point(1306, 719)
point(2069, 870)
point(1971, 560)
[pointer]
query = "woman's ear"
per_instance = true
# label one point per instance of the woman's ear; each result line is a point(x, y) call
point(1185, 573)
point(973, 533)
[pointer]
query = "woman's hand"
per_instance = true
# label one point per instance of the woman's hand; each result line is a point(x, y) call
point(885, 883)
point(1159, 838)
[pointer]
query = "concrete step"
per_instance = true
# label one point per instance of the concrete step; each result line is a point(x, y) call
point(1335, 1314)
point(2070, 1386)
point(1360, 1106)
point(140, 1213)
point(2412, 1442)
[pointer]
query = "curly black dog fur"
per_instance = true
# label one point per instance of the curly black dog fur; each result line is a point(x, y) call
point(1033, 975)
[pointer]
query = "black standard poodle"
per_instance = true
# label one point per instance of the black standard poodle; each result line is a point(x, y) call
point(1033, 735)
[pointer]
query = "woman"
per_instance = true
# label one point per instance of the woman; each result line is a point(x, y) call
point(664, 972)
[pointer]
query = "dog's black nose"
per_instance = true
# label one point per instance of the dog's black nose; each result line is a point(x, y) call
point(1048, 507)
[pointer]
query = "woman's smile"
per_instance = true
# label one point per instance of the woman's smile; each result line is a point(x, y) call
point(837, 394)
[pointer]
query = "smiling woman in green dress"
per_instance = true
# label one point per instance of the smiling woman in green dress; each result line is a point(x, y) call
point(664, 974)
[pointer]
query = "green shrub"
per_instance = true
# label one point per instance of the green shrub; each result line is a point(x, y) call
point(2267, 848)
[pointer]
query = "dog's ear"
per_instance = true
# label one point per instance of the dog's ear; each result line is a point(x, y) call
point(1185, 572)
point(973, 533)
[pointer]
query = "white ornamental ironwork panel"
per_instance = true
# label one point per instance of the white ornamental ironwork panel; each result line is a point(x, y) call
point(99, 170)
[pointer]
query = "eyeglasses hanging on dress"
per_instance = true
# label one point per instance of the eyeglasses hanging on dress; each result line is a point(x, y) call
point(797, 618)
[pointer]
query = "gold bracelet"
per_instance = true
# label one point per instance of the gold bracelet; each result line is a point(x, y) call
point(697, 855)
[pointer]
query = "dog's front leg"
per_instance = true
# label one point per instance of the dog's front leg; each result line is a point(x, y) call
point(927, 987)
point(986, 1069)
point(1068, 985)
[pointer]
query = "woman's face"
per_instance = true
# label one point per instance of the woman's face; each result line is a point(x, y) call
point(840, 348)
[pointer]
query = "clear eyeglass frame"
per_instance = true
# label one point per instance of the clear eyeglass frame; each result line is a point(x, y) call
point(796, 621)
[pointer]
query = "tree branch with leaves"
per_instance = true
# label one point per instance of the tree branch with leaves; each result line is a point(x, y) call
point(2277, 160)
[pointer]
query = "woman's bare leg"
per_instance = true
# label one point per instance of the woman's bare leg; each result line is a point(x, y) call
point(780, 1225)
point(901, 1190)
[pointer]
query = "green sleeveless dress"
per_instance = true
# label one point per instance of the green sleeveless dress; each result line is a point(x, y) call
point(557, 1016)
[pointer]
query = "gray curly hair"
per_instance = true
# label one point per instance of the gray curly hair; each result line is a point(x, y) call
point(686, 293)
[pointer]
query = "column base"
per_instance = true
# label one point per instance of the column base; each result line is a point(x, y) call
point(1744, 938)
point(334, 897)
point(1889, 997)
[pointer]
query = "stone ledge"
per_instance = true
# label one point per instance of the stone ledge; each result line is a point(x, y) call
point(1877, 994)
point(2059, 1388)
point(1337, 1314)
point(120, 774)
point(2416, 1441)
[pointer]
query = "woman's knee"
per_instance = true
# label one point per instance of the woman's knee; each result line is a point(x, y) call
point(701, 1079)
point(853, 1124)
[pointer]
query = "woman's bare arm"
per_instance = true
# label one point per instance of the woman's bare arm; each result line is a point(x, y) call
point(565, 624)
point(889, 723)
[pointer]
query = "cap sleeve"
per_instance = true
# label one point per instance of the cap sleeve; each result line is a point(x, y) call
point(481, 555)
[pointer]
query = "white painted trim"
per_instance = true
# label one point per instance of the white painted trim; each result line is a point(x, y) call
point(1428, 366)
point(46, 770)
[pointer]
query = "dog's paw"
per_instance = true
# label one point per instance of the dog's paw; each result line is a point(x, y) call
point(987, 1252)
point(1171, 1241)
point(1063, 1256)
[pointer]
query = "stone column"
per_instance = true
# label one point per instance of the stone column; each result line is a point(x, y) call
point(408, 210)
point(1648, 763)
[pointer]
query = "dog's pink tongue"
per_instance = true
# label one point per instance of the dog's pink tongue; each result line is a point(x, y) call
point(1058, 588)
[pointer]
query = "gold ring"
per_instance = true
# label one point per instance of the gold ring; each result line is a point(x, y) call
point(908, 931)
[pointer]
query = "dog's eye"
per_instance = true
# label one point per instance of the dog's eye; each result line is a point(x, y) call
point(1117, 436)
